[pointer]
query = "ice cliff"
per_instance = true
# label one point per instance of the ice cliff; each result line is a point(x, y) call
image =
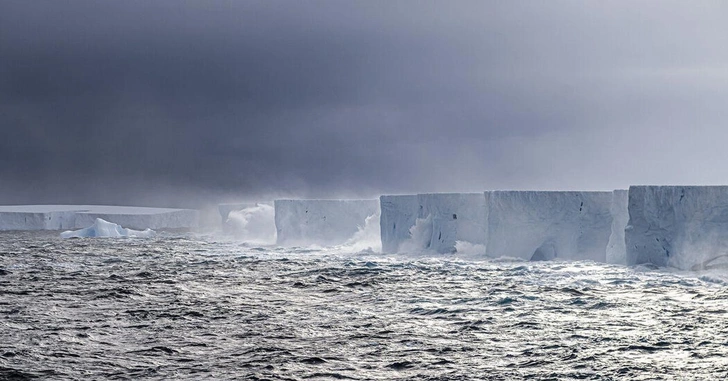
point(60, 217)
point(433, 221)
point(678, 226)
point(320, 222)
point(616, 249)
point(535, 225)
point(398, 216)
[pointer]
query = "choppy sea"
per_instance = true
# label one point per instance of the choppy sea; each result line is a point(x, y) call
point(198, 307)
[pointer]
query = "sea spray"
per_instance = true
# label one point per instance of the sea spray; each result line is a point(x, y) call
point(253, 225)
point(367, 237)
point(465, 249)
point(420, 236)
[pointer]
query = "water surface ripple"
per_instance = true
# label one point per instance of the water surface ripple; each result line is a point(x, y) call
point(180, 307)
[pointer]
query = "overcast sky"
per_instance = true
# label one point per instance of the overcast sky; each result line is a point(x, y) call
point(174, 102)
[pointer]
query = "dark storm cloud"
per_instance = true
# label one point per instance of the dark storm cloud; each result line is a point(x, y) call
point(168, 101)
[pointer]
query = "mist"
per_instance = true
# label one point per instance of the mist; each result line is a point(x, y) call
point(175, 103)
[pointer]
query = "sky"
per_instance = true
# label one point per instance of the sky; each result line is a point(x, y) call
point(177, 103)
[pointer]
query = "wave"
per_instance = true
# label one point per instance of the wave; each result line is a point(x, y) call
point(255, 225)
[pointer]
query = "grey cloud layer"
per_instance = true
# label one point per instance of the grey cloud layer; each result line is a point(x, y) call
point(163, 102)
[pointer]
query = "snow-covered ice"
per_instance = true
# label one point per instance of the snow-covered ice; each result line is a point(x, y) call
point(678, 226)
point(106, 229)
point(616, 248)
point(540, 225)
point(60, 217)
point(321, 222)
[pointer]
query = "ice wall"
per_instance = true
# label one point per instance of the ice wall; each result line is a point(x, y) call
point(140, 218)
point(37, 217)
point(60, 217)
point(320, 222)
point(536, 225)
point(616, 248)
point(434, 221)
point(455, 217)
point(398, 216)
point(678, 226)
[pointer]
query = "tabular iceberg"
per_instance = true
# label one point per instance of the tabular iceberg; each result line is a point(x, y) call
point(455, 217)
point(320, 222)
point(434, 221)
point(106, 229)
point(535, 225)
point(616, 248)
point(678, 226)
point(38, 217)
point(398, 216)
point(59, 217)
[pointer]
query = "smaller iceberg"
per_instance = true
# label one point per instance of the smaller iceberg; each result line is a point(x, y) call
point(102, 228)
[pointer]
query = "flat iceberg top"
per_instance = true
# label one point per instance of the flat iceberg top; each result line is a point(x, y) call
point(451, 194)
point(326, 201)
point(106, 229)
point(663, 188)
point(101, 209)
point(546, 192)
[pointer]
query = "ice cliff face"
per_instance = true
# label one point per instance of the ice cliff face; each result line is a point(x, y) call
point(535, 225)
point(678, 226)
point(524, 224)
point(320, 222)
point(433, 222)
point(399, 214)
point(616, 249)
point(60, 217)
point(455, 217)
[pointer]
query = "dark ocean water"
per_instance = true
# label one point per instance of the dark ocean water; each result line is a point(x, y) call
point(185, 307)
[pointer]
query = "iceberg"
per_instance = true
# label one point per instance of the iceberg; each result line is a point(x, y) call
point(616, 248)
point(677, 226)
point(545, 225)
point(530, 225)
point(455, 217)
point(432, 221)
point(61, 217)
point(107, 229)
point(398, 216)
point(321, 222)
